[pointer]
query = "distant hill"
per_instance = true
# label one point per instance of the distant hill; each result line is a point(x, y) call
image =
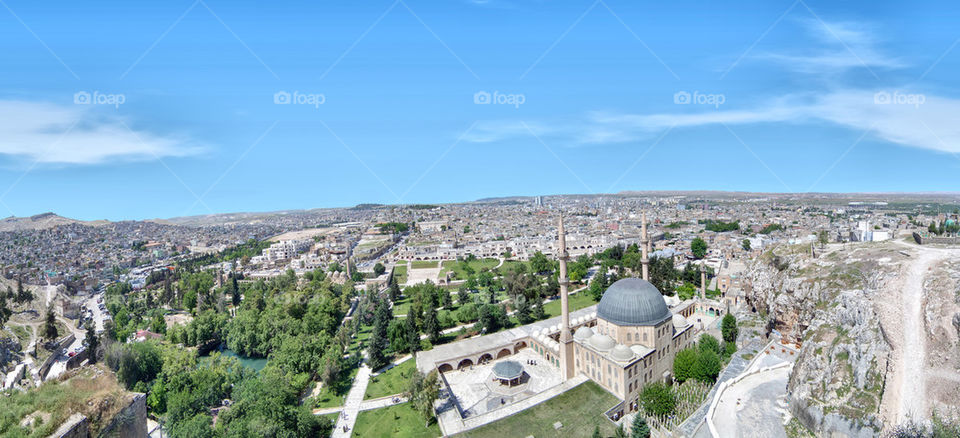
point(41, 221)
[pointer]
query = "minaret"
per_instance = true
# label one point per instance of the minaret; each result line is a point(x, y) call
point(703, 282)
point(566, 340)
point(645, 242)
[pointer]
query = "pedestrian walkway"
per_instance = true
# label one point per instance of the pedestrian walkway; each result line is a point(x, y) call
point(367, 405)
point(351, 407)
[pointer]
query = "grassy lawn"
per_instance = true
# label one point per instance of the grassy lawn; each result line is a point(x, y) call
point(394, 421)
point(460, 274)
point(393, 381)
point(422, 264)
point(509, 264)
point(333, 396)
point(400, 273)
point(359, 343)
point(401, 306)
point(332, 418)
point(579, 409)
point(22, 333)
point(578, 301)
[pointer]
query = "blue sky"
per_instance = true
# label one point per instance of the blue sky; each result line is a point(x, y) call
point(129, 110)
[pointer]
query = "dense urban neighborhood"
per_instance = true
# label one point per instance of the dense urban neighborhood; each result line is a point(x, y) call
point(322, 322)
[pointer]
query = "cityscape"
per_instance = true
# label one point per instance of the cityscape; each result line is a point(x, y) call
point(479, 218)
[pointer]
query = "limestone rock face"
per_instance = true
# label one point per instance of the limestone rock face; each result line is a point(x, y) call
point(837, 382)
point(9, 350)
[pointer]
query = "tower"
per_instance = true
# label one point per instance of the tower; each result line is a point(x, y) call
point(703, 282)
point(566, 340)
point(645, 242)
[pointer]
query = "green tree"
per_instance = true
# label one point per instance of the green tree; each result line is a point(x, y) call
point(413, 335)
point(619, 432)
point(399, 338)
point(431, 325)
point(422, 393)
point(708, 343)
point(522, 310)
point(539, 263)
point(728, 328)
point(639, 428)
point(685, 364)
point(462, 296)
point(596, 432)
point(657, 399)
point(823, 238)
point(745, 244)
point(5, 312)
point(699, 248)
point(708, 366)
point(379, 341)
point(379, 269)
point(394, 291)
point(50, 331)
point(93, 342)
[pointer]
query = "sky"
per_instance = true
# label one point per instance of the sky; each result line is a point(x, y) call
point(134, 110)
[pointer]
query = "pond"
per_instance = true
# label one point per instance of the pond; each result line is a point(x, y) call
point(253, 363)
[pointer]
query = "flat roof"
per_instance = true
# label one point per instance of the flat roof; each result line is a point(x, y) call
point(428, 360)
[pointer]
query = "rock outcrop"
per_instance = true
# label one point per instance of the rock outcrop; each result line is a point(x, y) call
point(837, 383)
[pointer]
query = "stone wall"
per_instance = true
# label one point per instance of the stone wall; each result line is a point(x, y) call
point(131, 421)
point(77, 426)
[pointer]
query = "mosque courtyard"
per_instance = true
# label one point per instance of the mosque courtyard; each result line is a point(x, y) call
point(477, 390)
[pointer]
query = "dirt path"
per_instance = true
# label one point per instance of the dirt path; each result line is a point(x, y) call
point(906, 394)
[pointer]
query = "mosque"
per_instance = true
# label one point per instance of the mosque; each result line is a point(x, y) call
point(626, 341)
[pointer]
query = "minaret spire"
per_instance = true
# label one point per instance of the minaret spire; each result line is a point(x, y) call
point(566, 340)
point(645, 242)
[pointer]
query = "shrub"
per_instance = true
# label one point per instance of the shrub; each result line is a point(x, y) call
point(657, 399)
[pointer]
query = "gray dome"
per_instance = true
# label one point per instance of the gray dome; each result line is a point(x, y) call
point(583, 333)
point(633, 302)
point(508, 370)
point(601, 342)
point(622, 353)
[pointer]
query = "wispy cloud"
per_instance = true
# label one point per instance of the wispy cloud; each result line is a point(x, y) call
point(841, 46)
point(899, 117)
point(46, 133)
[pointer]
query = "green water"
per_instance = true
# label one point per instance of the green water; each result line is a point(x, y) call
point(253, 363)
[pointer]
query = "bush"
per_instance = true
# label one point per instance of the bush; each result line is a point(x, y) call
point(709, 343)
point(708, 366)
point(685, 364)
point(657, 399)
point(729, 328)
point(468, 313)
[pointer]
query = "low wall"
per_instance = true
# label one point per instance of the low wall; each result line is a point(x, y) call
point(45, 367)
point(723, 387)
point(77, 426)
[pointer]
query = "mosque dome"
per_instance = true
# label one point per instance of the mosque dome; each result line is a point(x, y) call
point(633, 302)
point(679, 321)
point(583, 333)
point(622, 353)
point(601, 342)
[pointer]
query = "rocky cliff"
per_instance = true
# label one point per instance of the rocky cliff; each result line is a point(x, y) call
point(826, 304)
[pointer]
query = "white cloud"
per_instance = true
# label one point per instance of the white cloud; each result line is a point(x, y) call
point(925, 123)
point(42, 132)
point(844, 46)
